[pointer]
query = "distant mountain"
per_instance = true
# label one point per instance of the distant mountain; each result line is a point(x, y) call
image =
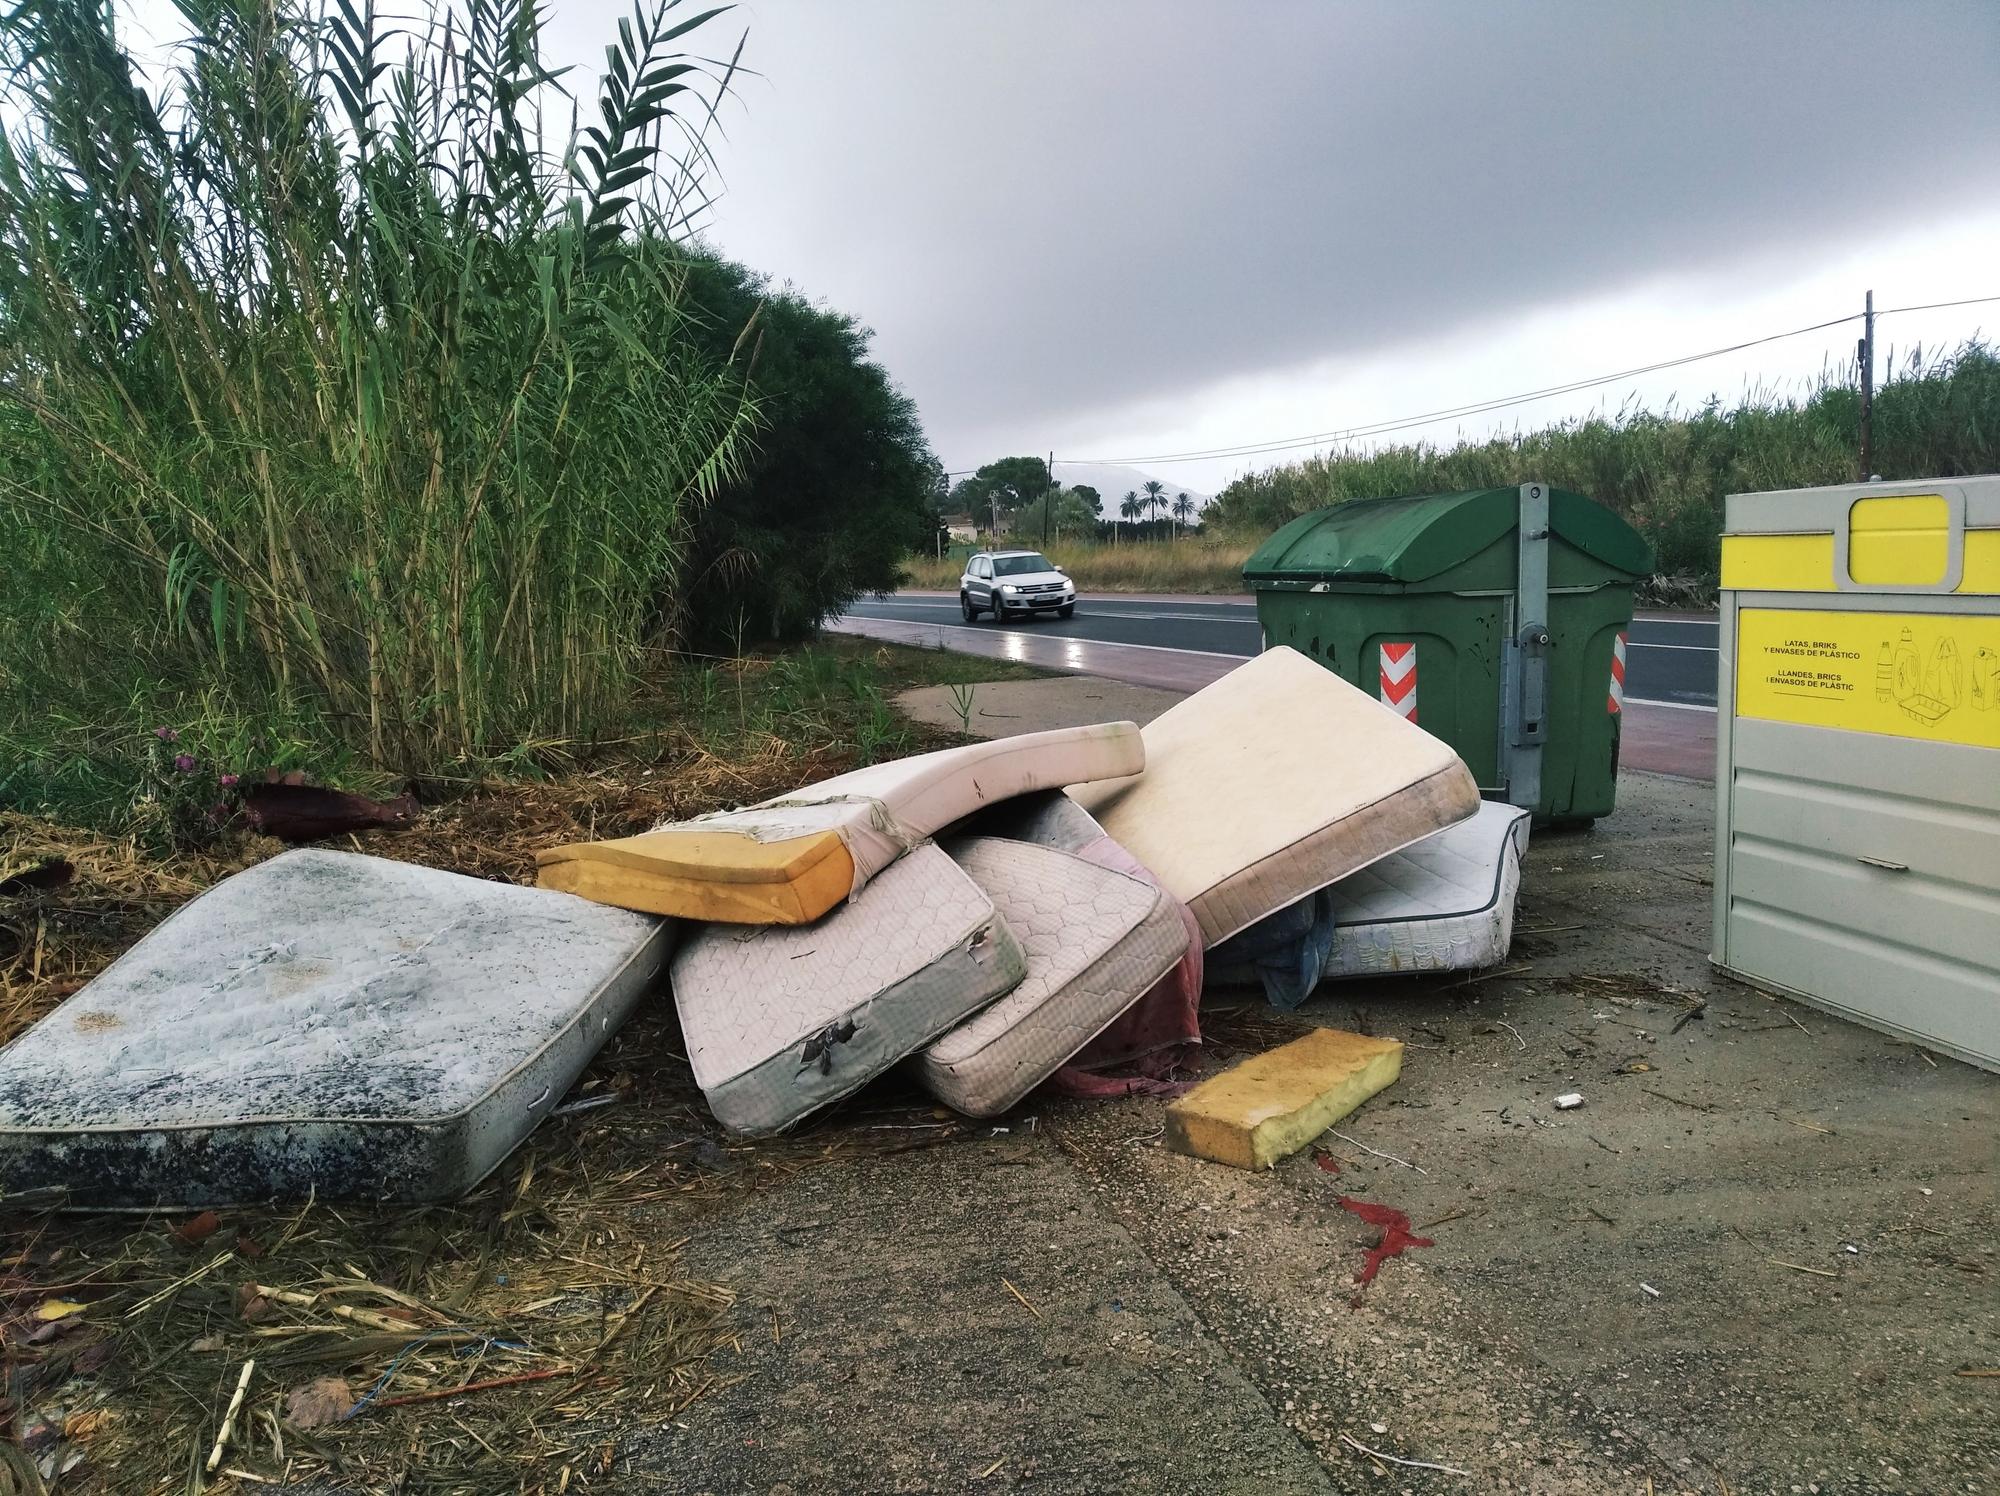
point(1112, 483)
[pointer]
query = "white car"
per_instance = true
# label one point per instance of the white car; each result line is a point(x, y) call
point(1012, 583)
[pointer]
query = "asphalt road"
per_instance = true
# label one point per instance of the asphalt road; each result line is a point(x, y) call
point(1669, 661)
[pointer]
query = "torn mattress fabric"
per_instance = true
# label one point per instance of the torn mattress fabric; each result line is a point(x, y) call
point(1095, 941)
point(789, 860)
point(1444, 904)
point(1274, 781)
point(780, 1020)
point(325, 1023)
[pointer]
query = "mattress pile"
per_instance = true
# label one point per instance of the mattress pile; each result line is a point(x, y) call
point(983, 920)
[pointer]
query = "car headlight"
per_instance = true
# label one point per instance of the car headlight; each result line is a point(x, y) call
point(1009, 589)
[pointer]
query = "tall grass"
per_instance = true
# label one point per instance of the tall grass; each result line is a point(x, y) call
point(341, 384)
point(1668, 472)
point(1187, 565)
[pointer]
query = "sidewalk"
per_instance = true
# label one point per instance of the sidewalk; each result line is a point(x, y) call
point(1658, 739)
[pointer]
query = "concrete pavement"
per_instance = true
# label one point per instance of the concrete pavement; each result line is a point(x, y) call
point(1670, 657)
point(1658, 737)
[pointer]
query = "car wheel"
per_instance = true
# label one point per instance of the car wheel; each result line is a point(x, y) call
point(1067, 610)
point(965, 606)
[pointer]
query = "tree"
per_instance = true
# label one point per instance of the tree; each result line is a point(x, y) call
point(1156, 496)
point(840, 485)
point(1091, 497)
point(1128, 507)
point(1184, 510)
point(1006, 486)
point(1072, 515)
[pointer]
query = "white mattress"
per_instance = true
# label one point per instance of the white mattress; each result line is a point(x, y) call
point(783, 1019)
point(1444, 904)
point(1096, 941)
point(1274, 781)
point(322, 1022)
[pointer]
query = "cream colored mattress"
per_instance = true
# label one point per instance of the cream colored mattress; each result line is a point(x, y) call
point(1274, 781)
point(790, 859)
point(1096, 941)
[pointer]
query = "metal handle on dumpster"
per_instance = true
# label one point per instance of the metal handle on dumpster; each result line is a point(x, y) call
point(1525, 712)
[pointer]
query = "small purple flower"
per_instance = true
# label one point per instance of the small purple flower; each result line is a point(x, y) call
point(167, 734)
point(184, 762)
point(227, 781)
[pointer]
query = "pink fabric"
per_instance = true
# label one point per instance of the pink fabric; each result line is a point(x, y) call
point(1160, 1033)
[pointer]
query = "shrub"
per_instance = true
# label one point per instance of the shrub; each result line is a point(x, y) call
point(834, 492)
point(1668, 473)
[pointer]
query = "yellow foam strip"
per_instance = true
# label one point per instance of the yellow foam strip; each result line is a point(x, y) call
point(723, 876)
point(1275, 1103)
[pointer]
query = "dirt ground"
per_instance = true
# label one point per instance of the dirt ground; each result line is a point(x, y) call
point(1757, 1259)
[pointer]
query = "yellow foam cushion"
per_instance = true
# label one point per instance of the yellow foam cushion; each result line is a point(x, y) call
point(1275, 1103)
point(694, 873)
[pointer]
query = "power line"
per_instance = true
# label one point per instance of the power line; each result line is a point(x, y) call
point(1481, 407)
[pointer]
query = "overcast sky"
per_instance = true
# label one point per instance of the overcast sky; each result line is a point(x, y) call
point(1123, 229)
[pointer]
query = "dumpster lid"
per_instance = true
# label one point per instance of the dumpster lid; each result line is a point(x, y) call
point(1410, 539)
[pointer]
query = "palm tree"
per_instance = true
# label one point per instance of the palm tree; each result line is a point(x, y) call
point(1156, 495)
point(1131, 506)
point(1183, 510)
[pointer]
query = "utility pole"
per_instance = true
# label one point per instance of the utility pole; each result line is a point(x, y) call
point(1866, 355)
point(1049, 501)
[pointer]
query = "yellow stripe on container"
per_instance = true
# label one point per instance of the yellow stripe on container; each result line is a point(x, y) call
point(1805, 562)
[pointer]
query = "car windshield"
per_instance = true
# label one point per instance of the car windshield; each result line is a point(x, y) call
point(1020, 566)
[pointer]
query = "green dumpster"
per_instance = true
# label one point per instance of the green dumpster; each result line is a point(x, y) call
point(1495, 619)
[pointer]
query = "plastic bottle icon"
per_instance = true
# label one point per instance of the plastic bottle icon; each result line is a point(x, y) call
point(1885, 674)
point(1908, 676)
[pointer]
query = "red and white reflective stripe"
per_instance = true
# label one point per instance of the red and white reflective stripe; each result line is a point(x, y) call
point(1618, 676)
point(1399, 678)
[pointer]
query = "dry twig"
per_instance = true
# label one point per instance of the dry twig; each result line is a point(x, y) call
point(1376, 1454)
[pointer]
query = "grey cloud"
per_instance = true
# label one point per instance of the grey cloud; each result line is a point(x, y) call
point(1053, 208)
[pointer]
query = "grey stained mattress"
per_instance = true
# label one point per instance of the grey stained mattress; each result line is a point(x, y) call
point(322, 1022)
point(781, 1020)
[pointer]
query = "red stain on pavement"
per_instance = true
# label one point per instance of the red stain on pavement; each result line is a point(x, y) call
point(1395, 1235)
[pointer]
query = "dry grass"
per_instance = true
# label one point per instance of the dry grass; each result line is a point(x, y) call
point(1187, 565)
point(558, 1281)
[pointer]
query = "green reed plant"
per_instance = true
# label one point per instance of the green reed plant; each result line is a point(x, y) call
point(343, 368)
